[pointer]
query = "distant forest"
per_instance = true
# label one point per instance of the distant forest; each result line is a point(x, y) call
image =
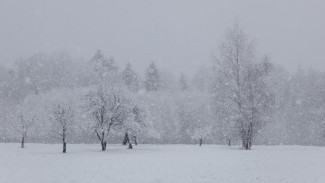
point(240, 98)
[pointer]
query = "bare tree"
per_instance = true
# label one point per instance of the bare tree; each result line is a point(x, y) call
point(23, 126)
point(61, 107)
point(62, 122)
point(25, 115)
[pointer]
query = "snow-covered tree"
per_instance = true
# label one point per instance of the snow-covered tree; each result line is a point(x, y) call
point(274, 132)
point(23, 127)
point(130, 78)
point(136, 126)
point(242, 82)
point(105, 69)
point(259, 101)
point(40, 72)
point(162, 116)
point(194, 116)
point(152, 78)
point(302, 112)
point(202, 79)
point(108, 108)
point(25, 116)
point(61, 107)
point(202, 131)
point(183, 84)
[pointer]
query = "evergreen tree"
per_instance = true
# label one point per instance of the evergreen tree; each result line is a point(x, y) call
point(183, 83)
point(130, 78)
point(105, 68)
point(152, 78)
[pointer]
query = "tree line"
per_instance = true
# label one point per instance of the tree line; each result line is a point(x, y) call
point(240, 98)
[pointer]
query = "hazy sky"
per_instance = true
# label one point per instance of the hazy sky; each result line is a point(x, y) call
point(179, 35)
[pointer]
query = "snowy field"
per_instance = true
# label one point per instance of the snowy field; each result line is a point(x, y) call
point(160, 163)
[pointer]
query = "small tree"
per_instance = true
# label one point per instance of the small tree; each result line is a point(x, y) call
point(62, 122)
point(25, 116)
point(61, 108)
point(201, 132)
point(136, 125)
point(23, 127)
point(107, 108)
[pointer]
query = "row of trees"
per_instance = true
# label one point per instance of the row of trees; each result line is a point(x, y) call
point(240, 98)
point(102, 106)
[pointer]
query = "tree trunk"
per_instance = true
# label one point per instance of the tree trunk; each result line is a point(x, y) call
point(247, 142)
point(135, 141)
point(101, 139)
point(250, 137)
point(64, 147)
point(103, 143)
point(63, 140)
point(126, 137)
point(129, 140)
point(130, 145)
point(243, 140)
point(200, 141)
point(229, 142)
point(23, 142)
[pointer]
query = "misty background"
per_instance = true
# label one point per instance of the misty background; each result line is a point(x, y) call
point(209, 77)
point(221, 72)
point(176, 35)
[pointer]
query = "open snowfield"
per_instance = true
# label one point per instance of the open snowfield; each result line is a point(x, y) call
point(160, 163)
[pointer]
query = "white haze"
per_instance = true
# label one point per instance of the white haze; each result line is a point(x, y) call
point(162, 91)
point(177, 35)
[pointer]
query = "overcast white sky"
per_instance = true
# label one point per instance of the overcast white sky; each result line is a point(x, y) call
point(177, 34)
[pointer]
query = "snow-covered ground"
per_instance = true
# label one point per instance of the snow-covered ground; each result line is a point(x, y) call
point(160, 163)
